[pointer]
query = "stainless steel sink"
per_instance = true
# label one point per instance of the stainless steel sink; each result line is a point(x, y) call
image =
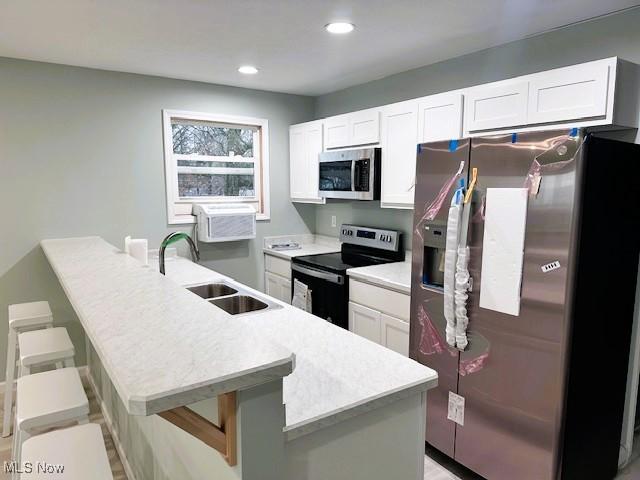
point(238, 304)
point(213, 290)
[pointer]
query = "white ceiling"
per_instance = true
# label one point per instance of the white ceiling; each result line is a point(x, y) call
point(207, 40)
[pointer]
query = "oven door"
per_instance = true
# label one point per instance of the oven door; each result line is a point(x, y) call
point(329, 293)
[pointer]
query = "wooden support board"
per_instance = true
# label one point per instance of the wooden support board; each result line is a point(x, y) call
point(222, 437)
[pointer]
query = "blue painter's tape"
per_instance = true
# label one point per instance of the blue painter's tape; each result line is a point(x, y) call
point(453, 145)
point(419, 149)
point(573, 132)
point(514, 137)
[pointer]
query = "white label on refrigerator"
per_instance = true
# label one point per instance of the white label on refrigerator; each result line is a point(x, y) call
point(503, 249)
point(456, 408)
point(549, 267)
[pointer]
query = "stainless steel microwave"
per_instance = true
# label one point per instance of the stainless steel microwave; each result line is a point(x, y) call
point(350, 174)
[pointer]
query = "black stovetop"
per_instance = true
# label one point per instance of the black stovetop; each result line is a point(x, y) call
point(353, 257)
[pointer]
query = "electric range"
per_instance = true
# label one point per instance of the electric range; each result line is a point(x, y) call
point(325, 275)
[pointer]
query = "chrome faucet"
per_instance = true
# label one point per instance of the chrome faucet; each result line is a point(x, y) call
point(174, 237)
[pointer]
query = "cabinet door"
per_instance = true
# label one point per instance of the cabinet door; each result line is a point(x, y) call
point(314, 137)
point(570, 93)
point(496, 106)
point(364, 127)
point(394, 334)
point(399, 139)
point(336, 131)
point(271, 285)
point(298, 179)
point(285, 290)
point(364, 321)
point(440, 117)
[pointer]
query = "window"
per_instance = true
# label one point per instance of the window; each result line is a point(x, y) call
point(215, 158)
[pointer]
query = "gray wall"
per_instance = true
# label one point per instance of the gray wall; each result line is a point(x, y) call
point(81, 153)
point(616, 35)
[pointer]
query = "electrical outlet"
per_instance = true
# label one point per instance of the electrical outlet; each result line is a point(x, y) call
point(333, 221)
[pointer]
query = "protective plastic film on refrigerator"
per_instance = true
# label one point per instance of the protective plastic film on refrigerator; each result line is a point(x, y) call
point(519, 246)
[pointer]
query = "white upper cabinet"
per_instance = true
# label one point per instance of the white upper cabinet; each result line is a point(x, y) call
point(496, 105)
point(305, 144)
point(336, 131)
point(356, 128)
point(603, 93)
point(399, 140)
point(364, 127)
point(569, 93)
point(440, 117)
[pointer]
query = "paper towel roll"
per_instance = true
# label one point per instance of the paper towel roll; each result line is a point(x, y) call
point(138, 249)
point(127, 241)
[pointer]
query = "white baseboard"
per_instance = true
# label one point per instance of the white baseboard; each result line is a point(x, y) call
point(109, 423)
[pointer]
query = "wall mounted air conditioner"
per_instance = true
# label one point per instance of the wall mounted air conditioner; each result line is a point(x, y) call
point(225, 222)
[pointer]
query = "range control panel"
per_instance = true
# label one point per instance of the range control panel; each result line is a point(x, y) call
point(370, 237)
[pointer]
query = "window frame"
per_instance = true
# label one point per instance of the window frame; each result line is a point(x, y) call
point(177, 215)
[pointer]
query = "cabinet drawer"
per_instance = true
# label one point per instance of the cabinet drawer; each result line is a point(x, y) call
point(496, 106)
point(570, 93)
point(387, 301)
point(277, 265)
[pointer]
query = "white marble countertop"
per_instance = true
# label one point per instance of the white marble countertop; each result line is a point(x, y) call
point(395, 276)
point(311, 245)
point(337, 374)
point(162, 346)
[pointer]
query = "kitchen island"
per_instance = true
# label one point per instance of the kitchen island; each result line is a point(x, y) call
point(313, 400)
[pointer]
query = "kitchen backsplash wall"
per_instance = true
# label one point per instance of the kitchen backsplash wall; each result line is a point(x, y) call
point(81, 153)
point(615, 35)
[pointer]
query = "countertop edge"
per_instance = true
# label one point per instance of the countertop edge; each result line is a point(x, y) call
point(377, 281)
point(312, 425)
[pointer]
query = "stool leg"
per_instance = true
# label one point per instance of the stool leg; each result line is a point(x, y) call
point(20, 437)
point(9, 376)
point(69, 362)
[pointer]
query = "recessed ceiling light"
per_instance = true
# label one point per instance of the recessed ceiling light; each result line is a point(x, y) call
point(248, 70)
point(339, 27)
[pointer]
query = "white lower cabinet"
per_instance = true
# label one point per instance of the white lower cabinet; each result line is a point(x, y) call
point(365, 322)
point(277, 287)
point(394, 334)
point(277, 278)
point(388, 331)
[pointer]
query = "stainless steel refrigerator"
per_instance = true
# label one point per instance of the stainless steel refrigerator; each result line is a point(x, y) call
point(544, 387)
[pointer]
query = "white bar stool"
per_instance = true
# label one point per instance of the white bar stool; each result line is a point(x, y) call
point(46, 400)
point(22, 316)
point(42, 347)
point(80, 449)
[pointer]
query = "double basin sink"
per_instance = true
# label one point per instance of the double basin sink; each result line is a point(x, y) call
point(231, 298)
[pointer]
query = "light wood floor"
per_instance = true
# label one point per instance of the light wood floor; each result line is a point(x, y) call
point(95, 416)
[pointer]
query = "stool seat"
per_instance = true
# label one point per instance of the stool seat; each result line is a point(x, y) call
point(80, 449)
point(30, 314)
point(44, 346)
point(49, 398)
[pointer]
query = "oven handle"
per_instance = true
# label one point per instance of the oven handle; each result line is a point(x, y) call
point(330, 277)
